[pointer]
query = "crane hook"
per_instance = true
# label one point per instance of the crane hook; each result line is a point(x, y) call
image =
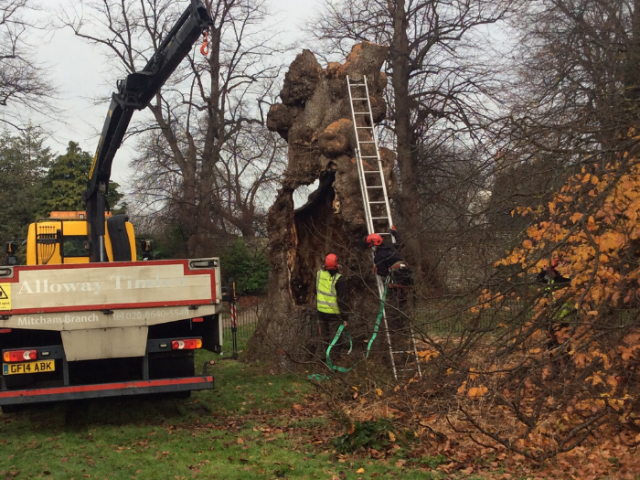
point(204, 49)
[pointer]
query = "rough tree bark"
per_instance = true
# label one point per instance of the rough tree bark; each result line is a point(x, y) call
point(400, 57)
point(315, 119)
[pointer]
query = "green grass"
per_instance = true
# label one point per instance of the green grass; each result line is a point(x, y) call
point(245, 428)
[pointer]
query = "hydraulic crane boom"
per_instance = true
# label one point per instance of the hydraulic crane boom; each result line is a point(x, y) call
point(135, 92)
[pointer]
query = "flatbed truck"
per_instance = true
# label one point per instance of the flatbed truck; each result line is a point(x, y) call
point(83, 318)
point(94, 330)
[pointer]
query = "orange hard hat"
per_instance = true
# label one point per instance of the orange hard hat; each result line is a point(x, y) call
point(373, 240)
point(331, 262)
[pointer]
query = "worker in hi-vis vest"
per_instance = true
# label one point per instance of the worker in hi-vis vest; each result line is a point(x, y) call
point(331, 300)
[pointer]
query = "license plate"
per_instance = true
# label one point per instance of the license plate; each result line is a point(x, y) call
point(29, 367)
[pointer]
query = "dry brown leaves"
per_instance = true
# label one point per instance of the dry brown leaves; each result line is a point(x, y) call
point(606, 453)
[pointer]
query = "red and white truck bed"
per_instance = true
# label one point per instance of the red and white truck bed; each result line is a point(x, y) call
point(105, 329)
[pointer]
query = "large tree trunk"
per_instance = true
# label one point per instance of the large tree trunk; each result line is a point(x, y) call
point(409, 206)
point(400, 55)
point(315, 119)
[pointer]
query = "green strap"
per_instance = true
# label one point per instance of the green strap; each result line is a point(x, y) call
point(376, 327)
point(341, 328)
point(333, 367)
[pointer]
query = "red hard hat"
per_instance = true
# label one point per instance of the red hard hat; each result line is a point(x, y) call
point(374, 239)
point(331, 262)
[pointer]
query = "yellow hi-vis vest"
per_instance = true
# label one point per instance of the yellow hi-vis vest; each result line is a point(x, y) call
point(327, 299)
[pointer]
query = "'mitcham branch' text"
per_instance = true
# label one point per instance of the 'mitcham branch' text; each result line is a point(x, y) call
point(62, 319)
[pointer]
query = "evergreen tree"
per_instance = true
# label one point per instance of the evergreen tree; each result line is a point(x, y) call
point(23, 165)
point(67, 180)
point(248, 266)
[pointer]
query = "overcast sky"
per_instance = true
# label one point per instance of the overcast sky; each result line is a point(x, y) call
point(80, 74)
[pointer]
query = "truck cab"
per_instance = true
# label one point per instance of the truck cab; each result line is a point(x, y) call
point(61, 239)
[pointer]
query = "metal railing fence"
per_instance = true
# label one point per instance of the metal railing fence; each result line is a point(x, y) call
point(246, 321)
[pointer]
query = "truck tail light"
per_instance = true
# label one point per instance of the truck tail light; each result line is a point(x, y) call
point(20, 355)
point(188, 344)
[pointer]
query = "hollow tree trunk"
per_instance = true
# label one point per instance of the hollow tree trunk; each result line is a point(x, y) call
point(315, 119)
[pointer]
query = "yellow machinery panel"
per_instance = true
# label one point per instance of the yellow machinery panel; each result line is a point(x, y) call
point(62, 239)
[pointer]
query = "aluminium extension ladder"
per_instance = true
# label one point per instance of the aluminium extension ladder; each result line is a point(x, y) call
point(373, 187)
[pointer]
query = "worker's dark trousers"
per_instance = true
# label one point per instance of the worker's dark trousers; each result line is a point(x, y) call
point(327, 327)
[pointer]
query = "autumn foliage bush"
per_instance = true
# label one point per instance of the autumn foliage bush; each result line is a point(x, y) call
point(556, 367)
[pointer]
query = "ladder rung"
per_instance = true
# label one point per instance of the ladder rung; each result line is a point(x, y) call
point(374, 186)
point(369, 156)
point(366, 141)
point(371, 171)
point(377, 203)
point(368, 128)
point(359, 99)
point(379, 218)
point(357, 84)
point(361, 113)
